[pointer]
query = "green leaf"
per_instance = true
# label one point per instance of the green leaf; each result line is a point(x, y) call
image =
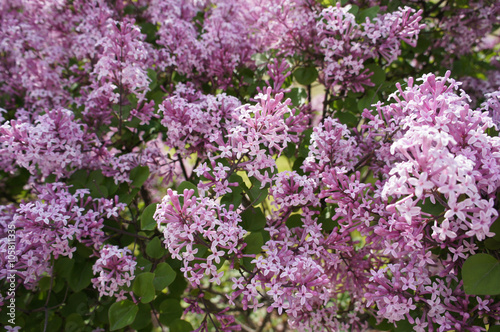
point(147, 221)
point(122, 314)
point(178, 286)
point(481, 274)
point(294, 220)
point(431, 208)
point(260, 59)
point(54, 323)
point(179, 325)
point(256, 194)
point(297, 95)
point(378, 76)
point(354, 10)
point(144, 264)
point(143, 317)
point(366, 102)
point(297, 164)
point(152, 74)
point(164, 276)
point(76, 303)
point(110, 184)
point(95, 177)
point(306, 75)
point(383, 326)
point(369, 12)
point(155, 248)
point(44, 284)
point(139, 175)
point(74, 323)
point(494, 328)
point(254, 242)
point(234, 197)
point(346, 118)
point(492, 244)
point(143, 286)
point(304, 145)
point(253, 219)
point(495, 228)
point(187, 185)
point(127, 198)
point(80, 276)
point(170, 311)
point(325, 218)
point(423, 44)
point(404, 326)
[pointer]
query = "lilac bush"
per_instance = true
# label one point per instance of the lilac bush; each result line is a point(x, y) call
point(259, 165)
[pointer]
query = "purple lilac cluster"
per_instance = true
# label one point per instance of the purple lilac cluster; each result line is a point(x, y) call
point(199, 221)
point(379, 218)
point(51, 225)
point(439, 191)
point(347, 45)
point(114, 269)
point(52, 143)
point(203, 41)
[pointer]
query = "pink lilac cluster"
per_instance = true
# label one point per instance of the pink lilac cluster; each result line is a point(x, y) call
point(195, 120)
point(306, 269)
point(331, 146)
point(478, 89)
point(205, 41)
point(291, 189)
point(52, 143)
point(115, 269)
point(33, 47)
point(288, 27)
point(257, 133)
point(118, 165)
point(443, 177)
point(39, 49)
point(492, 106)
point(200, 221)
point(120, 71)
point(465, 28)
point(49, 226)
point(346, 45)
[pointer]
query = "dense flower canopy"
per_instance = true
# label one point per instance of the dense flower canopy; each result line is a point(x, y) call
point(262, 165)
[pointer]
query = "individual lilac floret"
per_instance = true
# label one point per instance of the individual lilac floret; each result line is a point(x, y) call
point(115, 269)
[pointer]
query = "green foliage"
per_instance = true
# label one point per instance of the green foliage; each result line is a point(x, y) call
point(122, 314)
point(253, 219)
point(164, 276)
point(155, 248)
point(170, 311)
point(481, 273)
point(147, 221)
point(139, 175)
point(143, 286)
point(306, 75)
